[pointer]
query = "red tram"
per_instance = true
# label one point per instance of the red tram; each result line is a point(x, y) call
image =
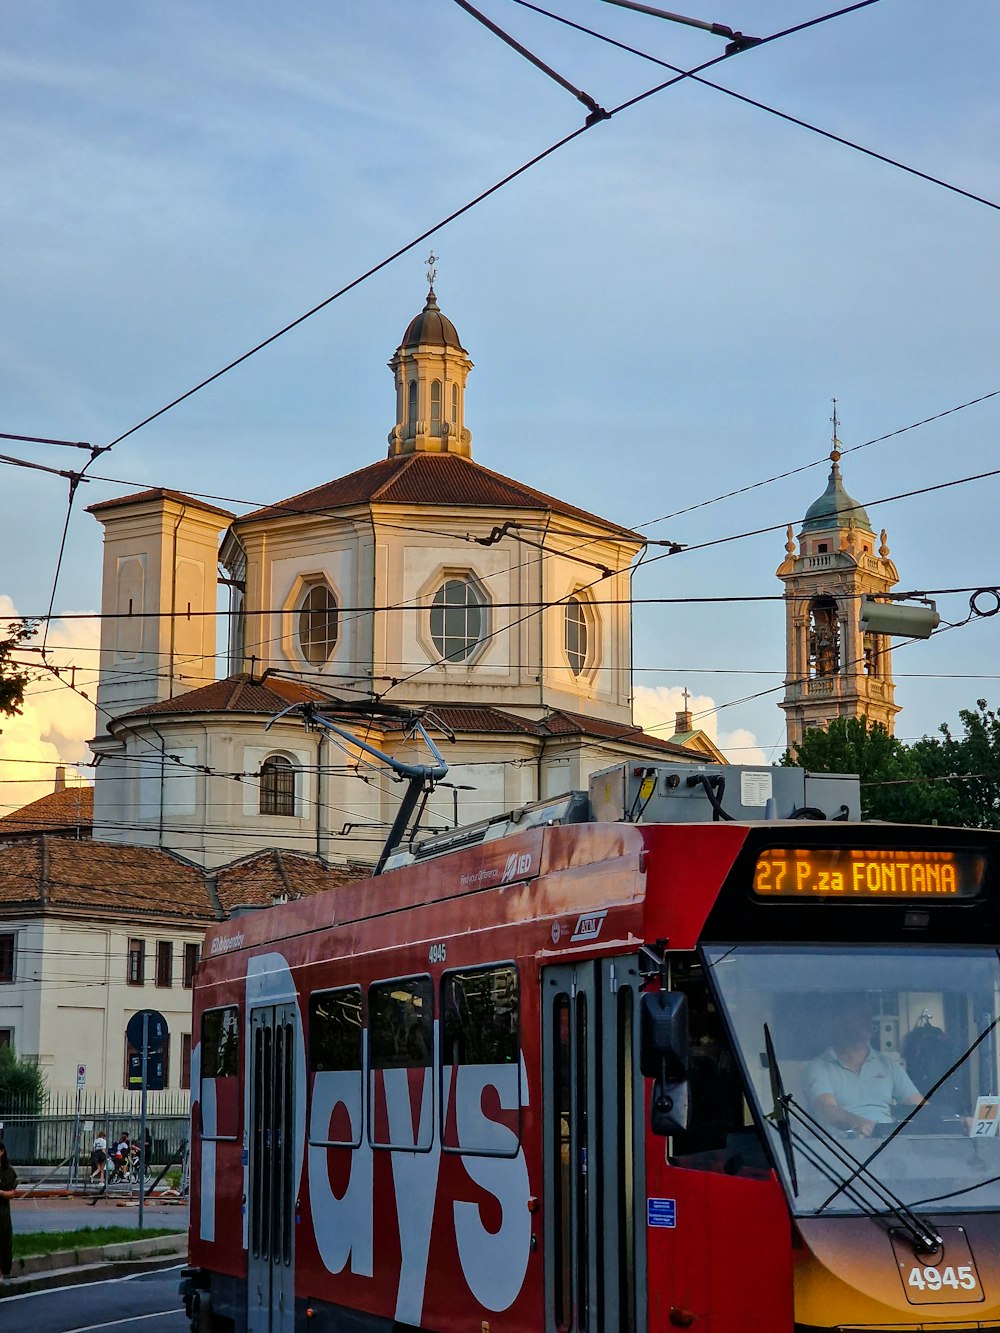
point(560, 1074)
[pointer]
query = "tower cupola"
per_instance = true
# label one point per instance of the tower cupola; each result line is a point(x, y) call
point(431, 367)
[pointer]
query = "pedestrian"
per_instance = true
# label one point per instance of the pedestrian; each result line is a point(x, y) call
point(8, 1188)
point(99, 1157)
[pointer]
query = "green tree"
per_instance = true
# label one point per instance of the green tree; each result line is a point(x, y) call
point(970, 763)
point(22, 1084)
point(13, 677)
point(893, 775)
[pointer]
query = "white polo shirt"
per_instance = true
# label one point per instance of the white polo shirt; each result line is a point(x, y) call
point(868, 1092)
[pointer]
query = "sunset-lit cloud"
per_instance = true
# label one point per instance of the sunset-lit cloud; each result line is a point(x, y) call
point(56, 721)
point(655, 709)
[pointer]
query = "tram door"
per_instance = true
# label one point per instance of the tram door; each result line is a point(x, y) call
point(592, 1099)
point(270, 1197)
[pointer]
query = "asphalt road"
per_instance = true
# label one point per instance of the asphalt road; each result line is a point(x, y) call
point(138, 1303)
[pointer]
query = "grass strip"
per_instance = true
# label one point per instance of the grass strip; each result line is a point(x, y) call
point(49, 1242)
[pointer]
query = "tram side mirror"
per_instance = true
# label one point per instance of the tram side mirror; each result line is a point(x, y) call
point(668, 1108)
point(663, 1036)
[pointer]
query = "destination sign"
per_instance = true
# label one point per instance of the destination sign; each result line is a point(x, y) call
point(872, 873)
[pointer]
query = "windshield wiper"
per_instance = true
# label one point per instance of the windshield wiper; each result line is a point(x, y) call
point(907, 1118)
point(779, 1113)
point(925, 1238)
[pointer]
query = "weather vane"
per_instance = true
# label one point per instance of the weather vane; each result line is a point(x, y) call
point(835, 452)
point(432, 272)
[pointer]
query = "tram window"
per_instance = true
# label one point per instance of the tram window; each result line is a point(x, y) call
point(480, 1062)
point(220, 1063)
point(335, 1064)
point(335, 1030)
point(401, 1022)
point(401, 1082)
point(721, 1135)
point(479, 1015)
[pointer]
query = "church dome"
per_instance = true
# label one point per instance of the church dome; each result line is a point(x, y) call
point(431, 326)
point(835, 508)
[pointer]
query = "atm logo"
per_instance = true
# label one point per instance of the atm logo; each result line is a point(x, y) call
point(516, 865)
point(588, 927)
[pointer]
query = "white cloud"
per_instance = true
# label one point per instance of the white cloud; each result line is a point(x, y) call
point(655, 707)
point(56, 722)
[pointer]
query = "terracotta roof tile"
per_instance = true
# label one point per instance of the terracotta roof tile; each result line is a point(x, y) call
point(71, 808)
point(236, 694)
point(562, 723)
point(158, 493)
point(428, 479)
point(471, 717)
point(274, 875)
point(103, 876)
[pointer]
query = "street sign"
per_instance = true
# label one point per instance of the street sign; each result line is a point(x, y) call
point(81, 1076)
point(158, 1031)
point(154, 1071)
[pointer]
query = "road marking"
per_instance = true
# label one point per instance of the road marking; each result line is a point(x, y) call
point(77, 1286)
point(133, 1319)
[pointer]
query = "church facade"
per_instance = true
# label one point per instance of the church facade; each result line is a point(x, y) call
point(424, 584)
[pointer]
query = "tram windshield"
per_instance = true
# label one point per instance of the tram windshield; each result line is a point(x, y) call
point(875, 1071)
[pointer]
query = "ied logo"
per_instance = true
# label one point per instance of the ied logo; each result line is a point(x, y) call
point(516, 865)
point(588, 927)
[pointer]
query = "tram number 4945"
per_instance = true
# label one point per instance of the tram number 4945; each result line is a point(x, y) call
point(936, 1279)
point(437, 953)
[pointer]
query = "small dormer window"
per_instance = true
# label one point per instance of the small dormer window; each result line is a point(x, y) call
point(577, 635)
point(458, 619)
point(318, 624)
point(277, 786)
point(435, 407)
point(822, 548)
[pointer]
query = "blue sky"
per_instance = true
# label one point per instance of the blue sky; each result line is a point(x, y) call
point(660, 312)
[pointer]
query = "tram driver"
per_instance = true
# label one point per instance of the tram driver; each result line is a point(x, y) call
point(850, 1086)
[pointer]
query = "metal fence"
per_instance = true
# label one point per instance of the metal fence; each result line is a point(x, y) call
point(68, 1125)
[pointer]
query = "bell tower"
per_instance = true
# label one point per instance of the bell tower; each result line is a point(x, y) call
point(832, 669)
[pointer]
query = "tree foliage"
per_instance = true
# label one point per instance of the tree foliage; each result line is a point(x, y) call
point(945, 779)
point(22, 1084)
point(13, 677)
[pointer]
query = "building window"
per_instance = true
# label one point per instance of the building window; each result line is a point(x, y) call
point(458, 616)
point(318, 624)
point(277, 786)
point(136, 974)
point(435, 407)
point(7, 956)
point(6, 1037)
point(411, 409)
point(164, 963)
point(454, 404)
point(577, 635)
point(185, 1060)
point(192, 953)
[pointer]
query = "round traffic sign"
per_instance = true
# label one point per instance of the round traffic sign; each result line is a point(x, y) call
point(156, 1032)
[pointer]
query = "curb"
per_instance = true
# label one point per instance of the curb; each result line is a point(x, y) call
point(93, 1262)
point(69, 1277)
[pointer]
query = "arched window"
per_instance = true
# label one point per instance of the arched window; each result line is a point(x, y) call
point(824, 637)
point(277, 786)
point(454, 404)
point(458, 619)
point(435, 407)
point(411, 409)
point(318, 624)
point(577, 635)
point(873, 665)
